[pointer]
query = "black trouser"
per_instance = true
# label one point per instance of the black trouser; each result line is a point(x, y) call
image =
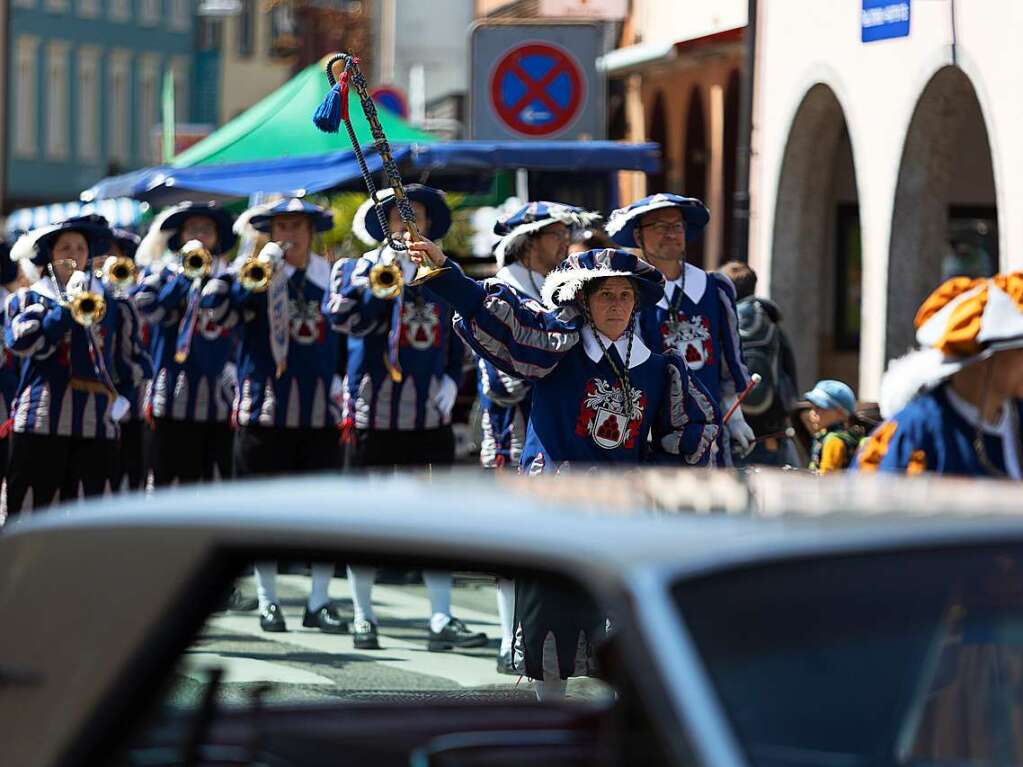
point(261, 451)
point(129, 461)
point(47, 464)
point(189, 451)
point(390, 448)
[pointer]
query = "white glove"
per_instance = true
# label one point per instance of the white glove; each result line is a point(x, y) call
point(272, 253)
point(77, 283)
point(445, 397)
point(739, 431)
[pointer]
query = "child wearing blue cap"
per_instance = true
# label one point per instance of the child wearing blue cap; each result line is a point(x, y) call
point(830, 419)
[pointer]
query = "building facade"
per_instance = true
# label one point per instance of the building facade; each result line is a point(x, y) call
point(84, 84)
point(884, 154)
point(675, 79)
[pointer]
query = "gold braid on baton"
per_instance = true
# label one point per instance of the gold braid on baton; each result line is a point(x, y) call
point(342, 71)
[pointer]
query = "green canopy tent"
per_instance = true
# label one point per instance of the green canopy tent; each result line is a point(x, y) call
point(281, 125)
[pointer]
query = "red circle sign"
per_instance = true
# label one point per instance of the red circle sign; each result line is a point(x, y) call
point(536, 89)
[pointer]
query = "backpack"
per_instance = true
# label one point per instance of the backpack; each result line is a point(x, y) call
point(761, 348)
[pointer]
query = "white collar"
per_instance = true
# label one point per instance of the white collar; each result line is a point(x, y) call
point(640, 352)
point(522, 279)
point(317, 271)
point(44, 286)
point(972, 415)
point(695, 285)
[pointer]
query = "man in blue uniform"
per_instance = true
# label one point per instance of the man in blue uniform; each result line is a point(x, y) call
point(287, 419)
point(404, 368)
point(193, 386)
point(954, 405)
point(696, 318)
point(66, 410)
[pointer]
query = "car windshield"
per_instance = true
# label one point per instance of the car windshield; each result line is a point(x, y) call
point(896, 659)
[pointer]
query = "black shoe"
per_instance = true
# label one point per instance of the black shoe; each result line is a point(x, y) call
point(325, 619)
point(506, 664)
point(239, 603)
point(364, 636)
point(271, 619)
point(455, 634)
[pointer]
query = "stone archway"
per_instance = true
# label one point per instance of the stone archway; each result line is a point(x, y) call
point(815, 253)
point(945, 219)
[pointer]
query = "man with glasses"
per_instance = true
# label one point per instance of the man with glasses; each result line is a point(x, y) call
point(696, 318)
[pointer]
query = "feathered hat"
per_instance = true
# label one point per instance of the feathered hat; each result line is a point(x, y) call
point(321, 219)
point(164, 232)
point(564, 284)
point(961, 323)
point(621, 226)
point(437, 211)
point(533, 217)
point(37, 246)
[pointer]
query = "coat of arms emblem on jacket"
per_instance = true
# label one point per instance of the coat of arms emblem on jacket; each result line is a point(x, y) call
point(607, 418)
point(690, 338)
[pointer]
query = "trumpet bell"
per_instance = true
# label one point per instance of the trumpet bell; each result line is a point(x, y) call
point(254, 275)
point(385, 281)
point(196, 261)
point(88, 308)
point(119, 273)
point(426, 273)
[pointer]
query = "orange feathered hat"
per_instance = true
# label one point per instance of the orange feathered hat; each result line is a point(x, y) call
point(965, 317)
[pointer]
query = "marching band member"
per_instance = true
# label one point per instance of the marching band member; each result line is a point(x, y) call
point(120, 277)
point(10, 366)
point(68, 328)
point(189, 400)
point(287, 420)
point(953, 406)
point(600, 396)
point(534, 239)
point(404, 368)
point(696, 318)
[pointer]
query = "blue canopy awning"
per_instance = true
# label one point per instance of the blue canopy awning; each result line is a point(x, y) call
point(119, 211)
point(164, 185)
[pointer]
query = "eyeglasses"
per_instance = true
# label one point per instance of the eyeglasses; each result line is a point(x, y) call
point(663, 228)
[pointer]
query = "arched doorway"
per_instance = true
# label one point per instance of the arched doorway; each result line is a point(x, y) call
point(815, 253)
point(945, 217)
point(694, 173)
point(657, 130)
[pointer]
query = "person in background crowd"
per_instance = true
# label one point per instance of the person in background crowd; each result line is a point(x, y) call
point(831, 419)
point(131, 466)
point(696, 318)
point(589, 237)
point(287, 419)
point(66, 411)
point(770, 404)
point(194, 382)
point(953, 406)
point(534, 240)
point(404, 369)
point(600, 397)
point(10, 366)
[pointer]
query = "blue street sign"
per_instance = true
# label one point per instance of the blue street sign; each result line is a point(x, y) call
point(884, 19)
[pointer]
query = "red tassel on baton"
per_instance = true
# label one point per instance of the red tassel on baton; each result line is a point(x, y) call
point(753, 381)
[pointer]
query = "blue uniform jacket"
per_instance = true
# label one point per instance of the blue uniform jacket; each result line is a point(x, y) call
point(302, 396)
point(579, 410)
point(428, 349)
point(700, 325)
point(930, 435)
point(60, 391)
point(203, 387)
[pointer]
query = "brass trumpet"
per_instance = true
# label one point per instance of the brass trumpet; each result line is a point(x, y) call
point(385, 281)
point(87, 308)
point(256, 271)
point(118, 272)
point(196, 261)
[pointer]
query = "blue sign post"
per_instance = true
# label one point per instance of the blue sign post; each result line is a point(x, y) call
point(884, 19)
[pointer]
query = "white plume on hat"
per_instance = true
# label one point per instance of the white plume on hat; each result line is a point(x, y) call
point(359, 219)
point(154, 244)
point(25, 247)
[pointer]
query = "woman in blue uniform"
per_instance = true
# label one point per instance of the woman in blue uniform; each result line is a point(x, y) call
point(696, 317)
point(193, 386)
point(287, 419)
point(10, 366)
point(953, 406)
point(600, 396)
point(66, 411)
